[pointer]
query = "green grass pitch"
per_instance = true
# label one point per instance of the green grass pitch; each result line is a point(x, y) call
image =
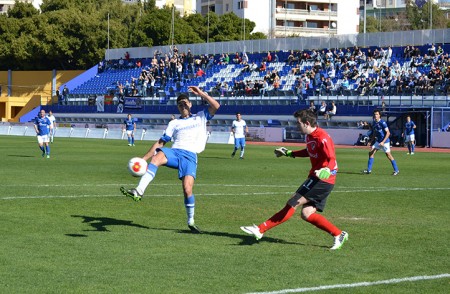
point(65, 227)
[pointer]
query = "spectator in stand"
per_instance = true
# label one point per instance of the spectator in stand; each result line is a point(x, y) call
point(264, 88)
point(200, 72)
point(127, 56)
point(190, 61)
point(312, 107)
point(244, 58)
point(331, 111)
point(268, 57)
point(262, 67)
point(237, 58)
point(121, 63)
point(322, 109)
point(65, 94)
point(361, 89)
point(275, 57)
point(344, 86)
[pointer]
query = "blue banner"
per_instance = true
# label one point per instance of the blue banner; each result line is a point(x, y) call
point(133, 102)
point(420, 3)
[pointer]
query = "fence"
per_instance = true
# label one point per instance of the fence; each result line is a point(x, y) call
point(400, 38)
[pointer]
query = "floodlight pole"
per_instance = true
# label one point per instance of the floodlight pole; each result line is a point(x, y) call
point(107, 55)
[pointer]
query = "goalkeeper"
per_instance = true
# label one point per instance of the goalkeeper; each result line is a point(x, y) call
point(312, 195)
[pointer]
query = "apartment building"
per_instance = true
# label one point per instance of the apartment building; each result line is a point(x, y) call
point(285, 18)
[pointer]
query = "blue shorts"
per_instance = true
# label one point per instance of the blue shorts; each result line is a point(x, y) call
point(239, 142)
point(184, 161)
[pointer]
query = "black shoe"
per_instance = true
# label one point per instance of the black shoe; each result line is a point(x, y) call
point(233, 154)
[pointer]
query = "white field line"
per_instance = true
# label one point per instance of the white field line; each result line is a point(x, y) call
point(352, 190)
point(354, 285)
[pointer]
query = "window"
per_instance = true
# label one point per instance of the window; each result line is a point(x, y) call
point(242, 4)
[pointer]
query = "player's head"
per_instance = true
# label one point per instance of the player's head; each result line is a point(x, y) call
point(238, 115)
point(306, 120)
point(42, 113)
point(129, 115)
point(184, 104)
point(50, 112)
point(408, 118)
point(376, 115)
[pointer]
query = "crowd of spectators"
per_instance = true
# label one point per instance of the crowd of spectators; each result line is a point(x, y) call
point(342, 71)
point(353, 71)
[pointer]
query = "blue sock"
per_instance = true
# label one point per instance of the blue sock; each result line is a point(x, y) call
point(47, 149)
point(409, 148)
point(412, 147)
point(132, 140)
point(394, 165)
point(129, 140)
point(370, 163)
point(42, 149)
point(189, 203)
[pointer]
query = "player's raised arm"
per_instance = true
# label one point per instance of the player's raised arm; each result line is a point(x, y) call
point(213, 104)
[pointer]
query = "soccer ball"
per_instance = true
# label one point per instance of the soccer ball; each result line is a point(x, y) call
point(137, 166)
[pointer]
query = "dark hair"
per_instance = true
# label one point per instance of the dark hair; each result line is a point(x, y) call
point(182, 97)
point(306, 115)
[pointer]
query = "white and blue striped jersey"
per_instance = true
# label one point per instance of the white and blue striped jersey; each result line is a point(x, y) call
point(188, 133)
point(239, 128)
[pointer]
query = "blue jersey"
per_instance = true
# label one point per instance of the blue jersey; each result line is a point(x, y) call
point(379, 130)
point(409, 128)
point(43, 125)
point(129, 124)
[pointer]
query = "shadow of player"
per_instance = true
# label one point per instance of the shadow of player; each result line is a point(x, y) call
point(100, 223)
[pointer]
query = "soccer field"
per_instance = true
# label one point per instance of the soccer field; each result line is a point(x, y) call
point(66, 228)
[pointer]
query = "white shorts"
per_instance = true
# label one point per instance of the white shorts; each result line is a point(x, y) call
point(129, 133)
point(43, 139)
point(410, 138)
point(386, 147)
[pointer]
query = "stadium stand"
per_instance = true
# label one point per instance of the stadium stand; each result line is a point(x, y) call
point(358, 80)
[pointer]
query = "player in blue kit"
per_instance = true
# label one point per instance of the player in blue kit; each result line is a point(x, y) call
point(189, 135)
point(129, 126)
point(239, 129)
point(43, 126)
point(380, 133)
point(410, 138)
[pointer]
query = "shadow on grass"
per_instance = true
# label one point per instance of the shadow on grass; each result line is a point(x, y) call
point(352, 173)
point(217, 157)
point(250, 240)
point(100, 223)
point(17, 155)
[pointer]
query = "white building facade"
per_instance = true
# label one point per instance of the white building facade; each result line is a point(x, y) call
point(280, 18)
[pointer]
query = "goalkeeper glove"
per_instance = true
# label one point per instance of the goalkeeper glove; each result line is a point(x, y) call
point(323, 173)
point(283, 152)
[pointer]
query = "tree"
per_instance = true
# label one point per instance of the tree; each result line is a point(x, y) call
point(22, 10)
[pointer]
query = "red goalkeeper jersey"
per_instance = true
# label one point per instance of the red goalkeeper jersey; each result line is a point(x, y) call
point(320, 150)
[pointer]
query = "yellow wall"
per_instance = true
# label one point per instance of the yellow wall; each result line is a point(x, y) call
point(29, 89)
point(4, 82)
